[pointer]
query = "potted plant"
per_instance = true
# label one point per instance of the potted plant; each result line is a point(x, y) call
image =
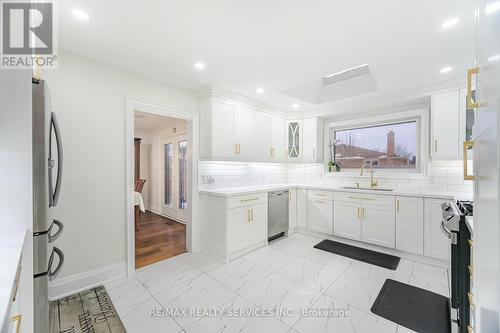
point(332, 165)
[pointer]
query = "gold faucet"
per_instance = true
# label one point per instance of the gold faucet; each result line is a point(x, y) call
point(373, 181)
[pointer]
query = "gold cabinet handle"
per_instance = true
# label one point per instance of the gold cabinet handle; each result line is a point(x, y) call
point(436, 146)
point(467, 145)
point(470, 296)
point(397, 206)
point(247, 200)
point(248, 215)
point(470, 103)
point(361, 198)
point(320, 194)
point(362, 213)
point(17, 319)
point(251, 214)
point(358, 213)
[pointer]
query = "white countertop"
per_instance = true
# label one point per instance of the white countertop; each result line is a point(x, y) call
point(243, 190)
point(11, 247)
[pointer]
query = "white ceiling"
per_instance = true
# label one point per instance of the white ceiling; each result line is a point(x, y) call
point(148, 122)
point(276, 45)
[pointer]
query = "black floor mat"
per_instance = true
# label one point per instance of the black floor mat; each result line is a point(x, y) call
point(358, 253)
point(415, 308)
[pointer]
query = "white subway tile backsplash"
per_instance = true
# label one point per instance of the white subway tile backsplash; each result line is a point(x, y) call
point(441, 176)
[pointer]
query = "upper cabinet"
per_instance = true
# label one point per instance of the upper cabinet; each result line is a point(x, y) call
point(304, 140)
point(244, 133)
point(294, 140)
point(231, 130)
point(446, 129)
point(277, 139)
point(312, 143)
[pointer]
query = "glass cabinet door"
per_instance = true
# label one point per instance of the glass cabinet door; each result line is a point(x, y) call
point(293, 136)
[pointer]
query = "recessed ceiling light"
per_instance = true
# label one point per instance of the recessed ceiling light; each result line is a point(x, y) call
point(493, 58)
point(450, 23)
point(446, 69)
point(295, 106)
point(259, 91)
point(492, 8)
point(80, 14)
point(199, 66)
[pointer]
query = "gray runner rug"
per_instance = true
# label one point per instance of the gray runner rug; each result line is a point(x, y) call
point(89, 311)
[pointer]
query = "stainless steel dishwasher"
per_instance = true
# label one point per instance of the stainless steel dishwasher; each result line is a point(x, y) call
point(278, 214)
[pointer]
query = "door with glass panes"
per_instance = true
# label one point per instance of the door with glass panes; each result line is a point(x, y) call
point(174, 175)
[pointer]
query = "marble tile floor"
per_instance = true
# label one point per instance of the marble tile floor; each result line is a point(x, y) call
point(287, 286)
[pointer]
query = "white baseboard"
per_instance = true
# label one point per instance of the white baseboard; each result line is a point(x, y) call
point(69, 285)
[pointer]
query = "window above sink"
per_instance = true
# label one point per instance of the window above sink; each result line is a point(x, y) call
point(389, 143)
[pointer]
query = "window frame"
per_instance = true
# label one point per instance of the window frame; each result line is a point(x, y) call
point(421, 116)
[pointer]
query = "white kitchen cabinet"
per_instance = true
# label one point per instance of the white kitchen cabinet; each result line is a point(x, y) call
point(378, 225)
point(238, 229)
point(233, 226)
point(445, 125)
point(277, 139)
point(410, 224)
point(320, 211)
point(263, 137)
point(230, 130)
point(312, 140)
point(244, 133)
point(292, 209)
point(258, 224)
point(217, 129)
point(294, 140)
point(436, 242)
point(347, 219)
point(366, 217)
point(302, 208)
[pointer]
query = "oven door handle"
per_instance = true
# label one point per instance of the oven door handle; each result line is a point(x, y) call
point(446, 232)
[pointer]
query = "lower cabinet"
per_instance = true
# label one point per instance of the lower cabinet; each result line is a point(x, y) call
point(232, 226)
point(246, 226)
point(302, 208)
point(320, 212)
point(365, 217)
point(410, 224)
point(377, 225)
point(292, 209)
point(436, 241)
point(347, 220)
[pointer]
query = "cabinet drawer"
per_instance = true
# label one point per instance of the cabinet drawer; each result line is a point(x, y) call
point(246, 200)
point(375, 199)
point(322, 195)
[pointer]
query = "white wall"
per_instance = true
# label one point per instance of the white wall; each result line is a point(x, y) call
point(89, 99)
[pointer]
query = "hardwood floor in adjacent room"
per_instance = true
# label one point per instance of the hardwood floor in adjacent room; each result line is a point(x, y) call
point(159, 238)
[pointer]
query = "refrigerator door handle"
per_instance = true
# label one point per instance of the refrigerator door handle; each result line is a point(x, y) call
point(60, 228)
point(54, 192)
point(52, 273)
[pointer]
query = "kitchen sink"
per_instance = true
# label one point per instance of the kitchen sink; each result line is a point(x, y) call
point(368, 188)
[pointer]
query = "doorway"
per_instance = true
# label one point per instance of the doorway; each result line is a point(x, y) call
point(160, 187)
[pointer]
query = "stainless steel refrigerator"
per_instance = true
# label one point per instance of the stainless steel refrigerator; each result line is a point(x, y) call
point(47, 177)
